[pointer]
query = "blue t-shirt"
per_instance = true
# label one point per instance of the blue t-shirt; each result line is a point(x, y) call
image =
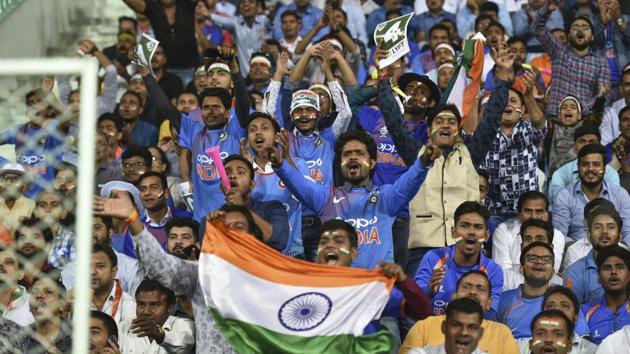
point(444, 256)
point(318, 152)
point(38, 150)
point(270, 187)
point(389, 164)
point(195, 137)
point(602, 322)
point(370, 210)
point(517, 311)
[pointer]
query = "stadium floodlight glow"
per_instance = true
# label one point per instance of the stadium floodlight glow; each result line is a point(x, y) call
point(88, 69)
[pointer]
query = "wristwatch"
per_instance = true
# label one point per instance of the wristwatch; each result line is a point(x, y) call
point(619, 21)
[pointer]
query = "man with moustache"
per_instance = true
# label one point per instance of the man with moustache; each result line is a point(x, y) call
point(569, 204)
point(611, 311)
point(136, 132)
point(552, 332)
point(604, 231)
point(182, 234)
point(475, 285)
point(462, 329)
point(370, 209)
point(50, 333)
point(575, 69)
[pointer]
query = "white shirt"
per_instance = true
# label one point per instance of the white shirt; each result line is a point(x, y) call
point(579, 346)
point(513, 278)
point(438, 349)
point(618, 342)
point(179, 337)
point(130, 273)
point(126, 307)
point(506, 245)
point(290, 46)
point(19, 309)
point(609, 128)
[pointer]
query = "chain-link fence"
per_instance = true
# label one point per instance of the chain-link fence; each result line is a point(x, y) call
point(47, 162)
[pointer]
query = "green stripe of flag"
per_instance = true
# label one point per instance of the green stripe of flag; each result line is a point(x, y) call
point(247, 338)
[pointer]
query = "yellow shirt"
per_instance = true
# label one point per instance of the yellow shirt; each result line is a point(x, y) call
point(22, 208)
point(497, 337)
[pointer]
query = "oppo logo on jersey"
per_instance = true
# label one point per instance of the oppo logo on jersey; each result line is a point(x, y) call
point(386, 147)
point(369, 234)
point(206, 160)
point(31, 159)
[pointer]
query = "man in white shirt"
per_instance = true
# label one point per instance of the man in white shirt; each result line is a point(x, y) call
point(462, 329)
point(109, 296)
point(154, 330)
point(130, 272)
point(609, 128)
point(532, 230)
point(14, 299)
point(506, 241)
point(618, 342)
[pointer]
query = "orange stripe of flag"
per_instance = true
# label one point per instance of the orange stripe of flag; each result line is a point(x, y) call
point(254, 257)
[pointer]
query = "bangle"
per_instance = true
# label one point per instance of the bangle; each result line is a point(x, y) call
point(132, 217)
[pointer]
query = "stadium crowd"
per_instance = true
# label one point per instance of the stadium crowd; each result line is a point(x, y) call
point(506, 223)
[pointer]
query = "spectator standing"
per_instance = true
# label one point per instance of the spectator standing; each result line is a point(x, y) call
point(250, 28)
point(576, 69)
point(173, 22)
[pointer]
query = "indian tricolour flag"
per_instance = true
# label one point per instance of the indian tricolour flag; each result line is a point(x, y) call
point(265, 302)
point(466, 81)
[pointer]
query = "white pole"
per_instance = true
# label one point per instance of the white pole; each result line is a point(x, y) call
point(88, 68)
point(85, 193)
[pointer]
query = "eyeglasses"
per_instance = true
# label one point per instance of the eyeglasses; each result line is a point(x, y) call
point(156, 158)
point(532, 258)
point(133, 165)
point(9, 178)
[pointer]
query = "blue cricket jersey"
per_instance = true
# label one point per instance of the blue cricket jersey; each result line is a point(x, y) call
point(444, 256)
point(602, 322)
point(582, 278)
point(270, 187)
point(38, 150)
point(370, 209)
point(517, 311)
point(318, 152)
point(389, 164)
point(195, 137)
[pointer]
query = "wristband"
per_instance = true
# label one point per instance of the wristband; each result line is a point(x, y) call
point(132, 217)
point(93, 50)
point(383, 75)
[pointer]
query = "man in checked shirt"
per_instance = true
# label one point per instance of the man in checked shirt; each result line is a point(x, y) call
point(575, 69)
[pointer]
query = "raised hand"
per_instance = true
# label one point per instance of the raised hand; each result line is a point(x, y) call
point(392, 270)
point(436, 279)
point(431, 152)
point(281, 66)
point(529, 79)
point(118, 206)
point(282, 139)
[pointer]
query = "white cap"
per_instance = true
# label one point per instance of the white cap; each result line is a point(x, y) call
point(11, 167)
